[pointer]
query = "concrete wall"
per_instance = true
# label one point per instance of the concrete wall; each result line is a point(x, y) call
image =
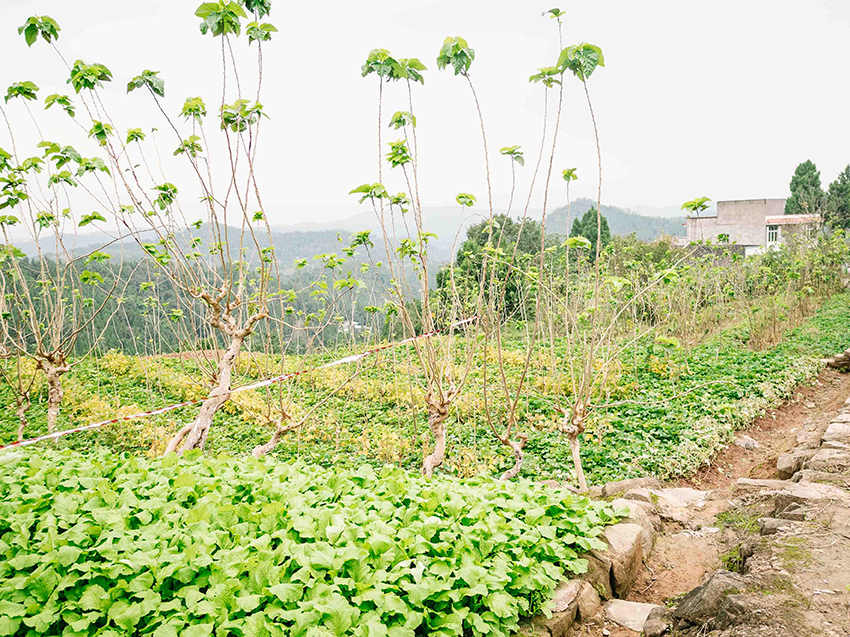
point(742, 220)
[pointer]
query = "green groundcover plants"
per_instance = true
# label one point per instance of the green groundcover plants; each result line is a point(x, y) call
point(112, 544)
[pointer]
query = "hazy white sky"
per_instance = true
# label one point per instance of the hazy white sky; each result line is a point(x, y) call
point(721, 99)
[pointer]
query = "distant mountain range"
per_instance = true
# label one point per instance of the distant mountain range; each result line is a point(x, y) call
point(446, 222)
point(621, 221)
point(308, 238)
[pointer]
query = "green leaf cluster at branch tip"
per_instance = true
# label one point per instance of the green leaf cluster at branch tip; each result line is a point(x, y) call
point(43, 26)
point(149, 80)
point(457, 54)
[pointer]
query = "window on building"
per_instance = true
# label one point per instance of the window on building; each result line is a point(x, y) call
point(773, 234)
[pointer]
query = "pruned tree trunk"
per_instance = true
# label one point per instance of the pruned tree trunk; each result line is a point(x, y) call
point(53, 373)
point(23, 404)
point(516, 446)
point(194, 436)
point(575, 448)
point(438, 412)
point(266, 448)
point(573, 426)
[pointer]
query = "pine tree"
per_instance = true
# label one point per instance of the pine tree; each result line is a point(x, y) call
point(807, 197)
point(838, 200)
point(586, 227)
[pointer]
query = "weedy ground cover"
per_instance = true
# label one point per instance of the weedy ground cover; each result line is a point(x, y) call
point(113, 544)
point(670, 410)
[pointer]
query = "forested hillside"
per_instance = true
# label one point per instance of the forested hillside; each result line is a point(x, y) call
point(622, 222)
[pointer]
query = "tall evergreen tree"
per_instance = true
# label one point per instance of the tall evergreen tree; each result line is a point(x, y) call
point(838, 200)
point(807, 197)
point(507, 235)
point(586, 227)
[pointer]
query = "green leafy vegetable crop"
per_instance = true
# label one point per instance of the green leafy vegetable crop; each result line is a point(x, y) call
point(110, 544)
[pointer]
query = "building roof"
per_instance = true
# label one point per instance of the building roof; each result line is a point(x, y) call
point(788, 220)
point(750, 200)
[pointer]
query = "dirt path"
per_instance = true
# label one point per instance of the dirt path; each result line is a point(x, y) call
point(776, 433)
point(803, 575)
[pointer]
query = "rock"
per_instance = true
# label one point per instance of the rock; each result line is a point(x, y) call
point(565, 595)
point(613, 489)
point(841, 418)
point(641, 493)
point(676, 505)
point(734, 610)
point(837, 432)
point(806, 494)
point(790, 463)
point(594, 492)
point(787, 465)
point(829, 459)
point(834, 444)
point(652, 513)
point(681, 497)
point(808, 439)
point(632, 615)
point(747, 443)
point(560, 623)
point(649, 507)
point(807, 475)
point(588, 602)
point(625, 549)
point(748, 484)
point(638, 516)
point(657, 623)
point(793, 512)
point(703, 602)
point(598, 573)
point(772, 526)
point(532, 628)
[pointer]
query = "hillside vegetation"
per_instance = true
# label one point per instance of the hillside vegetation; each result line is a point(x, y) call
point(330, 434)
point(677, 407)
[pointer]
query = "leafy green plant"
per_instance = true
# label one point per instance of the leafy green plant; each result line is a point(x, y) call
point(62, 100)
point(88, 76)
point(149, 80)
point(43, 26)
point(582, 59)
point(25, 90)
point(457, 54)
point(220, 18)
point(465, 199)
point(260, 32)
point(197, 546)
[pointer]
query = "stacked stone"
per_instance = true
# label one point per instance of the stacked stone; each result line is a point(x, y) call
point(611, 574)
point(820, 457)
point(840, 361)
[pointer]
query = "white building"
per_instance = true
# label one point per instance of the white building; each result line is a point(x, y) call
point(755, 224)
